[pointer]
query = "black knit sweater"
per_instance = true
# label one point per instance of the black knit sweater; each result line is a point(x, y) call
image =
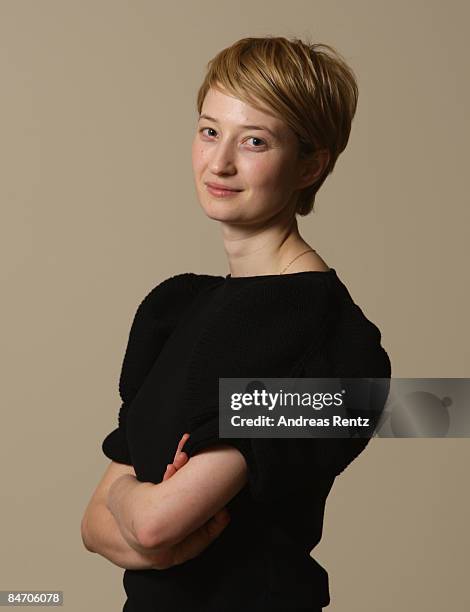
point(188, 332)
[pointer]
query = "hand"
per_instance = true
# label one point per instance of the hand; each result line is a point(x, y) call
point(179, 459)
point(200, 539)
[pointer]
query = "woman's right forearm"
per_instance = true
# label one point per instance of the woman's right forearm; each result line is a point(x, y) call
point(104, 537)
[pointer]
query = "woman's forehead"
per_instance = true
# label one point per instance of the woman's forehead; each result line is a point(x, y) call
point(223, 106)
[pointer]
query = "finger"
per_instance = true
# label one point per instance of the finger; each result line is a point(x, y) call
point(221, 517)
point(181, 443)
point(222, 514)
point(180, 460)
point(178, 449)
point(170, 470)
point(185, 438)
point(217, 523)
point(195, 543)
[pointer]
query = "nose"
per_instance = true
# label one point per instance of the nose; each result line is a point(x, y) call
point(222, 159)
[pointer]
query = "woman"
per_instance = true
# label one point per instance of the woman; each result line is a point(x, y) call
point(228, 524)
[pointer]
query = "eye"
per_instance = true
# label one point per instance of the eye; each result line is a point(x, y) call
point(206, 128)
point(254, 138)
point(259, 140)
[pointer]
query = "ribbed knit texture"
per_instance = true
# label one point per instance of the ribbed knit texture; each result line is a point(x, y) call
point(295, 325)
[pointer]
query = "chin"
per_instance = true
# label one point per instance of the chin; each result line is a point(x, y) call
point(220, 211)
point(232, 212)
point(232, 218)
point(222, 215)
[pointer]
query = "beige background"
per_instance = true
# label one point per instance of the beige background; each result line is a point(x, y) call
point(98, 206)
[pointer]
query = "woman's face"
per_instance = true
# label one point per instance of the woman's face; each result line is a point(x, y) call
point(260, 161)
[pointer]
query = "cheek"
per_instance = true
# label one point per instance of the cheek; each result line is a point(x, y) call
point(200, 157)
point(197, 153)
point(264, 173)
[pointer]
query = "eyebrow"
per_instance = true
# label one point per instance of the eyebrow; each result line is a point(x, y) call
point(248, 127)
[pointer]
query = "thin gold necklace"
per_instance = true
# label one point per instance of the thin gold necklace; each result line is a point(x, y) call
point(296, 257)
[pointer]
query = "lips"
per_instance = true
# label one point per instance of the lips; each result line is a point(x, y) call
point(221, 187)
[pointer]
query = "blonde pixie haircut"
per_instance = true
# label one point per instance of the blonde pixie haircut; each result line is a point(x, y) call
point(309, 86)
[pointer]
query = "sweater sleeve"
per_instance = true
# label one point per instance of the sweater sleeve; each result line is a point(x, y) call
point(115, 446)
point(280, 467)
point(155, 318)
point(354, 352)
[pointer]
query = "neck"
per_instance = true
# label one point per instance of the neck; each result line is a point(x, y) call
point(264, 249)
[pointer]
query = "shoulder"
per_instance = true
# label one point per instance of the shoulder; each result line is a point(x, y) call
point(351, 316)
point(157, 315)
point(173, 294)
point(356, 340)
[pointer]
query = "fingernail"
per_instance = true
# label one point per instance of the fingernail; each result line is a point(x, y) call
point(224, 517)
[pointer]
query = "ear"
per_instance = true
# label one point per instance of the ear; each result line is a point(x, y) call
point(312, 167)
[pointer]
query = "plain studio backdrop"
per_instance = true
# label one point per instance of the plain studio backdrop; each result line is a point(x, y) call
point(98, 206)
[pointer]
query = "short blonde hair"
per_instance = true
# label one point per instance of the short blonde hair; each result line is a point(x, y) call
point(309, 86)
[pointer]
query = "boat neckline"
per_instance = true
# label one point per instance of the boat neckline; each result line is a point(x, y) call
point(231, 278)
